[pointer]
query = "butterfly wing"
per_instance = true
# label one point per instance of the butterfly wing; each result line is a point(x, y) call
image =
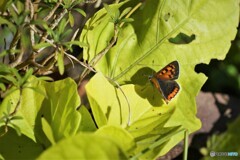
point(169, 72)
point(169, 89)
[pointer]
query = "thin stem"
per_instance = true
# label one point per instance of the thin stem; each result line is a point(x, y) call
point(18, 59)
point(31, 7)
point(185, 153)
point(129, 109)
point(52, 11)
point(18, 104)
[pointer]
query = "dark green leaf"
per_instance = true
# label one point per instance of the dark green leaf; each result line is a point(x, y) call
point(71, 19)
point(42, 45)
point(125, 11)
point(80, 11)
point(2, 87)
point(27, 75)
point(128, 20)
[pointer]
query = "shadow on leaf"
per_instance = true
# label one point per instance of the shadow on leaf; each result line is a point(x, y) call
point(144, 88)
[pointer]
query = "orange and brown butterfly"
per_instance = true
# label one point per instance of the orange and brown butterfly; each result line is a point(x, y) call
point(164, 81)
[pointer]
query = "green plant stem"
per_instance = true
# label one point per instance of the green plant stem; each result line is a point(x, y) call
point(185, 153)
point(18, 103)
point(129, 108)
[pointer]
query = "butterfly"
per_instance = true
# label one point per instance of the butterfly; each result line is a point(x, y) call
point(163, 80)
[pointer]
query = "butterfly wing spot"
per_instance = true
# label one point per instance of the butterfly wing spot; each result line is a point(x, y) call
point(169, 72)
point(173, 93)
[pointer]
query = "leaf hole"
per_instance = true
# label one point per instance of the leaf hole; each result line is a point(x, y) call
point(182, 38)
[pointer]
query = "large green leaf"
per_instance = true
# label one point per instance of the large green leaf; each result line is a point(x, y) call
point(148, 122)
point(190, 32)
point(147, 38)
point(58, 108)
point(84, 146)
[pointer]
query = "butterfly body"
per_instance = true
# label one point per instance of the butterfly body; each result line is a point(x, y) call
point(164, 81)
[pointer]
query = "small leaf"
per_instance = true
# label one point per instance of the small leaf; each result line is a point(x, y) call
point(25, 40)
point(10, 78)
point(42, 45)
point(15, 127)
point(49, 31)
point(80, 11)
point(114, 13)
point(71, 19)
point(11, 26)
point(27, 75)
point(45, 78)
point(2, 87)
point(128, 20)
point(17, 75)
point(47, 130)
point(125, 11)
point(16, 118)
point(4, 53)
point(61, 27)
point(65, 34)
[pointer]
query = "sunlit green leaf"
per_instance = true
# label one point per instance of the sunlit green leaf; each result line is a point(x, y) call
point(87, 123)
point(71, 19)
point(47, 130)
point(125, 11)
point(59, 106)
point(10, 25)
point(143, 48)
point(84, 146)
point(42, 45)
point(80, 11)
point(119, 135)
point(2, 87)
